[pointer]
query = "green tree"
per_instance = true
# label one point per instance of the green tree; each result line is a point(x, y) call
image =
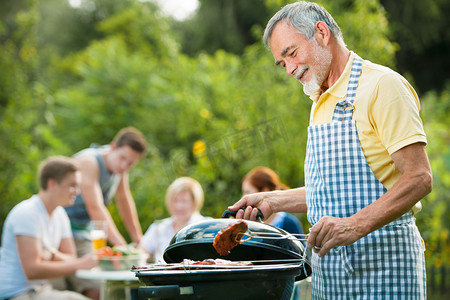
point(433, 220)
point(24, 109)
point(66, 29)
point(421, 30)
point(222, 24)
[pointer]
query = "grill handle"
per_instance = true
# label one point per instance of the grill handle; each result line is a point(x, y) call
point(163, 291)
point(228, 213)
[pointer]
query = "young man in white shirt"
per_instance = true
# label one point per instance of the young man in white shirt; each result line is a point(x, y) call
point(37, 242)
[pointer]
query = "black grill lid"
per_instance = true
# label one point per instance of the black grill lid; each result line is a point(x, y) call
point(195, 242)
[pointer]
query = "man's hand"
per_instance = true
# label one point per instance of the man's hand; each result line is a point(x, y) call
point(247, 207)
point(293, 201)
point(46, 254)
point(330, 232)
point(88, 261)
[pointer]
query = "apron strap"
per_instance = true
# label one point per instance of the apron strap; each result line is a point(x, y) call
point(344, 109)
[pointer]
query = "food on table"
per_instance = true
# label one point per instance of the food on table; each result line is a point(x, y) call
point(229, 237)
point(108, 252)
point(120, 257)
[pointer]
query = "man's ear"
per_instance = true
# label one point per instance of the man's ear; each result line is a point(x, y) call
point(112, 145)
point(322, 33)
point(51, 182)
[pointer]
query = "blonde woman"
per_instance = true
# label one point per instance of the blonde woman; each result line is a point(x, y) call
point(184, 199)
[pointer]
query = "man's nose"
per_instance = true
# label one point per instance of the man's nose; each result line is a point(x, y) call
point(291, 68)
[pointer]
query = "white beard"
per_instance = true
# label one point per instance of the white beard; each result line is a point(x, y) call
point(322, 61)
point(311, 87)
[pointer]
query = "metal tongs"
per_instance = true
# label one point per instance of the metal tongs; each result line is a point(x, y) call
point(273, 235)
point(270, 235)
point(265, 235)
point(305, 256)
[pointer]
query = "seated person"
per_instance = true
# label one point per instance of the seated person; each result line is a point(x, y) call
point(263, 179)
point(184, 199)
point(37, 242)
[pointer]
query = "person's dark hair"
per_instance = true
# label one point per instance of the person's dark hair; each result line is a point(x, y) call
point(263, 177)
point(132, 137)
point(303, 16)
point(57, 168)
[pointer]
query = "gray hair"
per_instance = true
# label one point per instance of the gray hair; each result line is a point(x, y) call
point(303, 16)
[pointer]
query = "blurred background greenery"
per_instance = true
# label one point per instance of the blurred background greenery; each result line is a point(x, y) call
point(205, 93)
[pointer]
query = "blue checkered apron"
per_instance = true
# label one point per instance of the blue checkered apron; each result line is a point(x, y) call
point(388, 263)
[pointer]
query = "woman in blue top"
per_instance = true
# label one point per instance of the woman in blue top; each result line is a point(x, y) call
point(263, 179)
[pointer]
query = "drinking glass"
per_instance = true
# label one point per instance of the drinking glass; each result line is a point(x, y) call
point(98, 234)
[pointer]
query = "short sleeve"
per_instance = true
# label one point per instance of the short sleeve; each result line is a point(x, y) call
point(395, 113)
point(24, 223)
point(149, 238)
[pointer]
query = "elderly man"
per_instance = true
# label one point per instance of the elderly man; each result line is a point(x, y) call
point(365, 169)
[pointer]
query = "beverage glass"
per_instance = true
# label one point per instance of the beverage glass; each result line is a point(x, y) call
point(98, 234)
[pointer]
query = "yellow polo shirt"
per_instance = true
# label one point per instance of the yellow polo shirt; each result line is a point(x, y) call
point(386, 112)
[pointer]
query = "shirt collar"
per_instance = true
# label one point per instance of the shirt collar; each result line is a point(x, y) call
point(339, 88)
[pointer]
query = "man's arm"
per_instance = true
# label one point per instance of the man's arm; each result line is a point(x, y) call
point(127, 209)
point(293, 201)
point(414, 184)
point(66, 251)
point(93, 198)
point(36, 266)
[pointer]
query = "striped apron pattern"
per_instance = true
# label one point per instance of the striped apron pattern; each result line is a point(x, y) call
point(388, 263)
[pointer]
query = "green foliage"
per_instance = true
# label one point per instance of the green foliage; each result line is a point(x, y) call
point(20, 112)
point(68, 29)
point(421, 30)
point(111, 80)
point(222, 24)
point(143, 30)
point(365, 28)
point(434, 220)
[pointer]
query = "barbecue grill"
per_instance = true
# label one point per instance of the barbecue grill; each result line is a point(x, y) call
point(276, 263)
